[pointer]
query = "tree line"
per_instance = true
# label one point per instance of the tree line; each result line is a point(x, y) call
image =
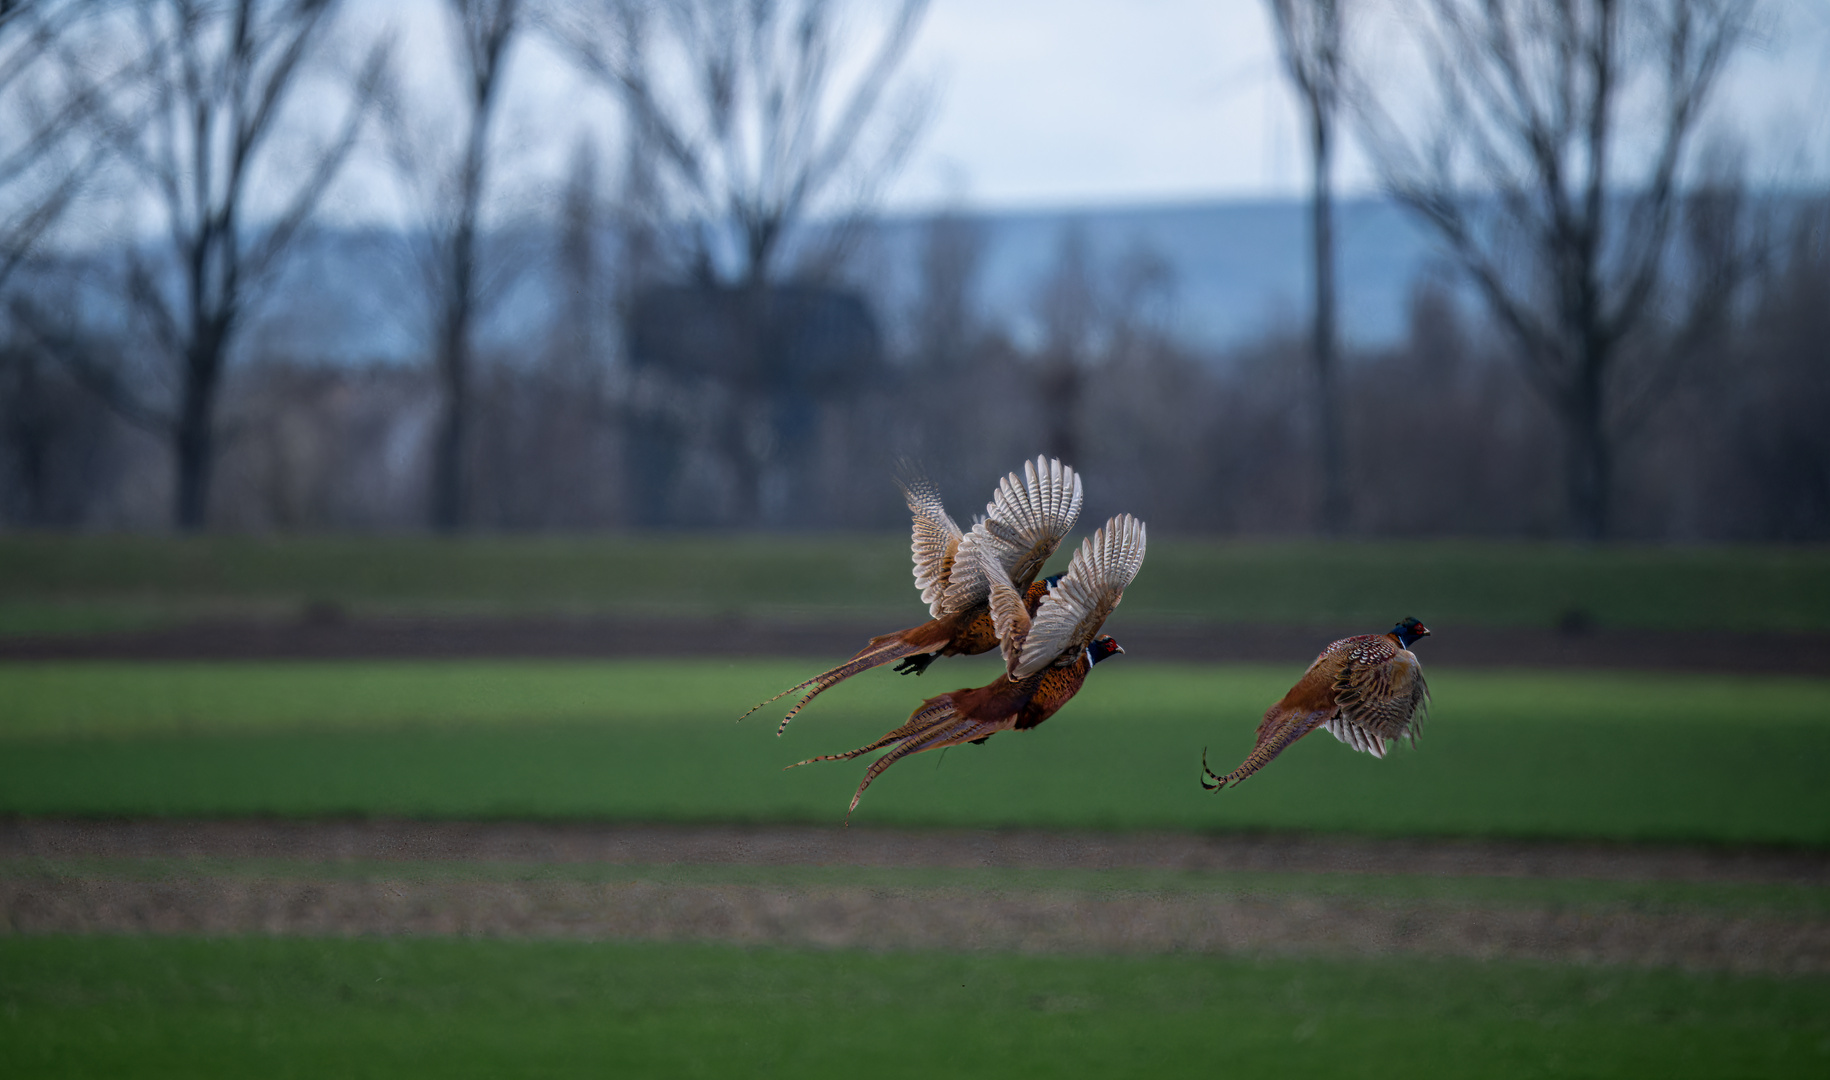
point(1615, 344)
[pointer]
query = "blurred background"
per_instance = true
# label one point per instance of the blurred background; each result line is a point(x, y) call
point(397, 267)
point(425, 426)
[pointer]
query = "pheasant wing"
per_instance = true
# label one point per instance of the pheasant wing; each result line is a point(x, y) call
point(1009, 614)
point(1378, 693)
point(1025, 521)
point(936, 540)
point(1077, 605)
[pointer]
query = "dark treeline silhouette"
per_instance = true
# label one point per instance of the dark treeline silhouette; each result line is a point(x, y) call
point(1442, 434)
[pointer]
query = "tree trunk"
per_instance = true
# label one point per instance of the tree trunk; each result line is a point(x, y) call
point(450, 486)
point(1334, 504)
point(1588, 465)
point(1062, 384)
point(449, 505)
point(751, 390)
point(31, 436)
point(195, 438)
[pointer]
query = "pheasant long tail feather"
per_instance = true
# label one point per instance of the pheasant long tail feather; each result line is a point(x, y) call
point(935, 724)
point(1273, 738)
point(946, 732)
point(934, 711)
point(872, 655)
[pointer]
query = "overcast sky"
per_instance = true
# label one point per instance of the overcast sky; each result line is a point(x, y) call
point(1056, 103)
point(1093, 101)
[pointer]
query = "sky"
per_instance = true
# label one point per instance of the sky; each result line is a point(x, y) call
point(1033, 105)
point(1063, 103)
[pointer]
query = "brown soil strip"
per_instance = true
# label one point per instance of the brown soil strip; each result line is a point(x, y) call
point(456, 638)
point(809, 845)
point(908, 919)
point(1037, 920)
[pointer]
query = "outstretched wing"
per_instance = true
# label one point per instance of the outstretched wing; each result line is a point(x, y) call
point(1025, 521)
point(1077, 605)
point(1378, 694)
point(1009, 614)
point(936, 540)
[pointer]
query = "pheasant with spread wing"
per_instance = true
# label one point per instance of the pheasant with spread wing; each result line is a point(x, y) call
point(1024, 523)
point(1047, 656)
point(1365, 690)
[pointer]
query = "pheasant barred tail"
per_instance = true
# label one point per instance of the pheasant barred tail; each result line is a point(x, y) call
point(1278, 730)
point(877, 652)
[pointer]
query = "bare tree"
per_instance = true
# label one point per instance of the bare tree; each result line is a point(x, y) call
point(27, 33)
point(48, 87)
point(763, 129)
point(451, 198)
point(745, 119)
point(1309, 41)
point(54, 71)
point(1527, 177)
point(218, 83)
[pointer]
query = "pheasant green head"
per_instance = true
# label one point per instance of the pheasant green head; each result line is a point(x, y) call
point(1408, 631)
point(1102, 646)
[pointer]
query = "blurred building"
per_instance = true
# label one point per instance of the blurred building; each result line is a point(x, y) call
point(728, 390)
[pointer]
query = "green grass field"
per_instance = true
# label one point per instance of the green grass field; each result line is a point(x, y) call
point(1631, 757)
point(71, 584)
point(152, 1007)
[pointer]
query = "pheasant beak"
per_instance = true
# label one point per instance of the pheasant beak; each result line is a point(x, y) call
point(1422, 630)
point(1117, 648)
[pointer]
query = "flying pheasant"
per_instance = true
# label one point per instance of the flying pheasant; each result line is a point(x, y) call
point(1024, 523)
point(1365, 690)
point(1046, 657)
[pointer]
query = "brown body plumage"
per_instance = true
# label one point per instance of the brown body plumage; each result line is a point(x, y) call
point(1365, 690)
point(1024, 523)
point(1048, 650)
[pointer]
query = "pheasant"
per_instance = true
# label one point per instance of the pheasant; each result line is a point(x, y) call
point(1365, 690)
point(1024, 523)
point(1046, 657)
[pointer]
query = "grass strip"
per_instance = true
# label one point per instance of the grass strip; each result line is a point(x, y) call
point(1715, 759)
point(70, 583)
point(463, 1008)
point(124, 698)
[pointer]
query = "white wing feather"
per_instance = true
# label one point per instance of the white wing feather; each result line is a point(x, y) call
point(1025, 521)
point(1077, 605)
point(935, 541)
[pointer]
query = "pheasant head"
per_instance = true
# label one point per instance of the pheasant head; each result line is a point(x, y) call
point(1408, 631)
point(1102, 647)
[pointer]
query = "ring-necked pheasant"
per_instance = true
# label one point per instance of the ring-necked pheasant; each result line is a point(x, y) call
point(1046, 657)
point(1365, 690)
point(1024, 523)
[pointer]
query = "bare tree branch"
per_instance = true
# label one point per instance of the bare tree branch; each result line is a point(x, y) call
point(50, 86)
point(1309, 39)
point(447, 186)
point(215, 96)
point(1522, 176)
point(763, 131)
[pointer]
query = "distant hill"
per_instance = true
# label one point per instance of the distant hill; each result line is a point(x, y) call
point(1240, 269)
